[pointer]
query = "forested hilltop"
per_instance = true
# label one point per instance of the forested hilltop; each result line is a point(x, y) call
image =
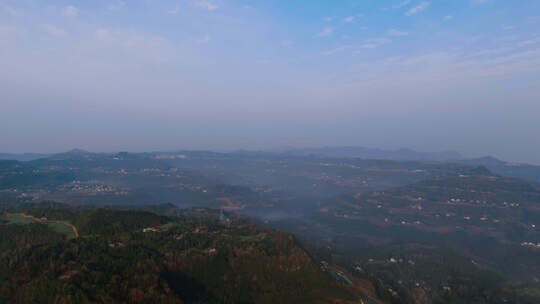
point(55, 254)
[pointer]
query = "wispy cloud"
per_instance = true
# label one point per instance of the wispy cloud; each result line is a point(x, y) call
point(349, 19)
point(401, 4)
point(204, 40)
point(175, 10)
point(490, 52)
point(529, 42)
point(398, 5)
point(9, 34)
point(336, 50)
point(14, 12)
point(116, 5)
point(103, 34)
point(207, 5)
point(374, 43)
point(420, 7)
point(133, 44)
point(287, 43)
point(394, 32)
point(8, 31)
point(448, 18)
point(70, 11)
point(328, 31)
point(508, 27)
point(53, 30)
point(533, 19)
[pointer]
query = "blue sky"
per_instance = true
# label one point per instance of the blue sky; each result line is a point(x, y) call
point(137, 75)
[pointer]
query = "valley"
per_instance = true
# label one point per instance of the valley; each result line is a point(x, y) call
point(390, 231)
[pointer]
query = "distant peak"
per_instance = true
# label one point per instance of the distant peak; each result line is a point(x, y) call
point(77, 151)
point(481, 170)
point(490, 160)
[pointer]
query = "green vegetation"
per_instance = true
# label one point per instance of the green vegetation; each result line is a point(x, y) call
point(18, 219)
point(184, 259)
point(167, 226)
point(439, 215)
point(24, 219)
point(62, 228)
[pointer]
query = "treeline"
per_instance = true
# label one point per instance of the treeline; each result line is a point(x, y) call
point(185, 259)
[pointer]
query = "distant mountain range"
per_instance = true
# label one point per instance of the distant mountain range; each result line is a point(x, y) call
point(34, 156)
point(403, 154)
point(399, 224)
point(22, 157)
point(517, 170)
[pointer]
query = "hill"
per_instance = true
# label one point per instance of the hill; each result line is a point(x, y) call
point(142, 257)
point(487, 217)
point(471, 234)
point(402, 154)
point(517, 170)
point(22, 157)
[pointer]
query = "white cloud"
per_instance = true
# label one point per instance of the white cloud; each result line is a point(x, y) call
point(133, 44)
point(363, 28)
point(328, 31)
point(103, 34)
point(334, 51)
point(508, 27)
point(374, 43)
point(263, 61)
point(7, 32)
point(53, 30)
point(533, 19)
point(420, 7)
point(207, 5)
point(118, 4)
point(529, 42)
point(328, 19)
point(448, 18)
point(394, 32)
point(13, 11)
point(349, 19)
point(439, 68)
point(401, 4)
point(287, 43)
point(70, 11)
point(175, 10)
point(207, 38)
point(489, 52)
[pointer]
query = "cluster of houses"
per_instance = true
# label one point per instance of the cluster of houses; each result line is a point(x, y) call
point(151, 229)
point(506, 204)
point(117, 245)
point(91, 188)
point(336, 273)
point(530, 244)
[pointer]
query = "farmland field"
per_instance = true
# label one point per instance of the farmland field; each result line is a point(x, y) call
point(168, 225)
point(62, 228)
point(22, 219)
point(18, 219)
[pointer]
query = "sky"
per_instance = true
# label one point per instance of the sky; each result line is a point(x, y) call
point(141, 75)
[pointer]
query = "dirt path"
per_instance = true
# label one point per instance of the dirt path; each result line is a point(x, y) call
point(230, 206)
point(75, 231)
